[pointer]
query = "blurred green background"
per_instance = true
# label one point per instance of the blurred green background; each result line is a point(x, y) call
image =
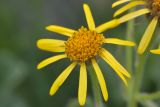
point(23, 22)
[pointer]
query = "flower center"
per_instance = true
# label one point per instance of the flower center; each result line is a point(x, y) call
point(154, 5)
point(83, 45)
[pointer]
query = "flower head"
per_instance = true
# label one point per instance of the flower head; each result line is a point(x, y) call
point(83, 45)
point(151, 8)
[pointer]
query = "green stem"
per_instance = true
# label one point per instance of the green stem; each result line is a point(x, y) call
point(129, 51)
point(139, 71)
point(152, 96)
point(129, 63)
point(95, 87)
point(135, 83)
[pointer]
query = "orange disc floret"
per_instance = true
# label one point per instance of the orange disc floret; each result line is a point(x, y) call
point(154, 6)
point(83, 45)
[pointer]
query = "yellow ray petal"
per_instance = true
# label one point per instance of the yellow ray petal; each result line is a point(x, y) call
point(50, 60)
point(115, 63)
point(122, 77)
point(146, 38)
point(61, 78)
point(115, 66)
point(100, 79)
point(119, 42)
point(134, 14)
point(89, 17)
point(119, 2)
point(53, 48)
point(51, 45)
point(128, 6)
point(42, 43)
point(108, 25)
point(155, 51)
point(82, 90)
point(60, 30)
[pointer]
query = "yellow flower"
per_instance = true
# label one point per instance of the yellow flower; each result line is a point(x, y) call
point(151, 7)
point(83, 45)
